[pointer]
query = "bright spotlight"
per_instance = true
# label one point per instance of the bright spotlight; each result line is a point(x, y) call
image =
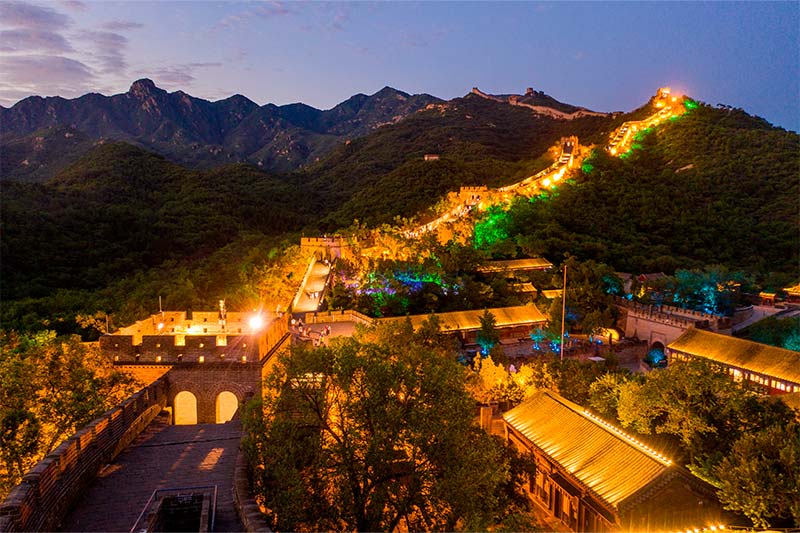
point(256, 322)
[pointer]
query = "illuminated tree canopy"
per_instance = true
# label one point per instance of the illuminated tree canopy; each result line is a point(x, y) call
point(376, 433)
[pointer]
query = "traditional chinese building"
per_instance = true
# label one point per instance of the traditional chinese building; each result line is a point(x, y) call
point(593, 477)
point(211, 361)
point(774, 370)
point(511, 323)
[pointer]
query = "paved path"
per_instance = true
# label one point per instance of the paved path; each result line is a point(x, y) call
point(162, 456)
point(760, 312)
point(314, 286)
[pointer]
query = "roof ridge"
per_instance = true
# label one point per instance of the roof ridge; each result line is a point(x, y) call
point(609, 427)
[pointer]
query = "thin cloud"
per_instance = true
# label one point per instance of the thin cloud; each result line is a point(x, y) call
point(109, 50)
point(32, 17)
point(22, 40)
point(45, 75)
point(74, 5)
point(179, 76)
point(262, 11)
point(121, 25)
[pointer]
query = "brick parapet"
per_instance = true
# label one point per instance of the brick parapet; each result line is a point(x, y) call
point(249, 512)
point(50, 488)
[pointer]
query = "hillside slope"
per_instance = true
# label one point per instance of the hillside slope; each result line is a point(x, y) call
point(120, 210)
point(485, 141)
point(715, 186)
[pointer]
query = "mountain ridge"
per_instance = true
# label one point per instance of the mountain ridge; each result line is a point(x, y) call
point(200, 133)
point(193, 131)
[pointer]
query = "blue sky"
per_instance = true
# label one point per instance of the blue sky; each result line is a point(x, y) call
point(606, 56)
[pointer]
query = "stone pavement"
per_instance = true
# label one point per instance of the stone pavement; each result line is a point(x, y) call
point(309, 294)
point(162, 456)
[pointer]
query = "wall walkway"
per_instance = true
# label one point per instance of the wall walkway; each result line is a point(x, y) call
point(163, 456)
point(51, 487)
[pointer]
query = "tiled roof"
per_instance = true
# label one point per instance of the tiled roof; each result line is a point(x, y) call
point(761, 358)
point(599, 455)
point(467, 320)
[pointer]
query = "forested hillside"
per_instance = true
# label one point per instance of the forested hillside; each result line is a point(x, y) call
point(121, 210)
point(712, 186)
point(122, 226)
point(485, 142)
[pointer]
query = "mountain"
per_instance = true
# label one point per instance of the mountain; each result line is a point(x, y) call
point(122, 224)
point(481, 141)
point(40, 136)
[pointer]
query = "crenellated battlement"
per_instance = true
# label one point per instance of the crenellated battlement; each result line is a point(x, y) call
point(54, 484)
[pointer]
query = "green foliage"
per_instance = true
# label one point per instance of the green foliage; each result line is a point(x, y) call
point(121, 210)
point(490, 228)
point(488, 336)
point(761, 476)
point(589, 305)
point(715, 187)
point(375, 433)
point(49, 388)
point(705, 417)
point(781, 332)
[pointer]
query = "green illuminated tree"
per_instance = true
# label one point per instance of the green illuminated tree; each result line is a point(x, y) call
point(376, 433)
point(488, 336)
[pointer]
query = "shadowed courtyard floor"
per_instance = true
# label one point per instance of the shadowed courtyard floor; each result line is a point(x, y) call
point(163, 456)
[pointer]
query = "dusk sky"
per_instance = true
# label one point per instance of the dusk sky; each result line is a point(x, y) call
point(604, 56)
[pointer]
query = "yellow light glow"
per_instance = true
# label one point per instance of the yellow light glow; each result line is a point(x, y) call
point(613, 151)
point(546, 182)
point(256, 322)
point(160, 326)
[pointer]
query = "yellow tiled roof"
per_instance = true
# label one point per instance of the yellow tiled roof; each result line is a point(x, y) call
point(552, 294)
point(533, 263)
point(598, 454)
point(748, 355)
point(466, 320)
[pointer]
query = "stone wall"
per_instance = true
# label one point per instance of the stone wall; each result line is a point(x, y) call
point(207, 380)
point(327, 247)
point(49, 489)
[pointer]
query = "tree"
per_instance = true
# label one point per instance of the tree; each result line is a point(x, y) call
point(492, 382)
point(761, 475)
point(374, 433)
point(604, 394)
point(49, 388)
point(487, 335)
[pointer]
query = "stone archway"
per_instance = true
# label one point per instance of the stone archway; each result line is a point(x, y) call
point(656, 355)
point(185, 405)
point(226, 406)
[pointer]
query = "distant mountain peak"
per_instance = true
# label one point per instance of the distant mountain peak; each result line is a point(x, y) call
point(540, 103)
point(391, 91)
point(144, 87)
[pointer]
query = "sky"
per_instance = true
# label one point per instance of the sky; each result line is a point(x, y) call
point(606, 56)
